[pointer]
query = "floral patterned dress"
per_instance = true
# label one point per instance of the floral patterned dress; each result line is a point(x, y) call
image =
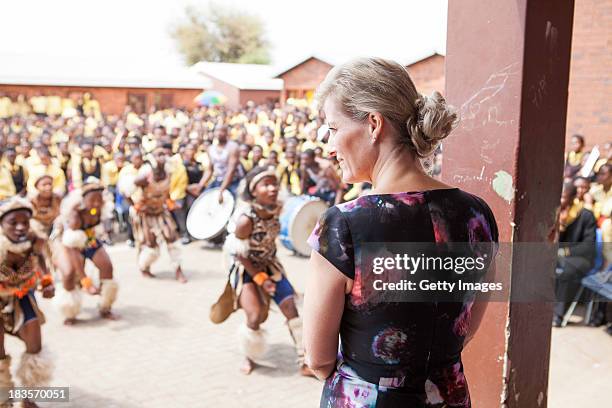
point(399, 354)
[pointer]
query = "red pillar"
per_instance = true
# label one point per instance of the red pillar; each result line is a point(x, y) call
point(507, 69)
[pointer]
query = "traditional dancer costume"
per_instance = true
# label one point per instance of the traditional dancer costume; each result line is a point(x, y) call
point(46, 210)
point(22, 270)
point(260, 249)
point(84, 239)
point(152, 221)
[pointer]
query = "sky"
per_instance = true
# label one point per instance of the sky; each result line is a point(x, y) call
point(125, 31)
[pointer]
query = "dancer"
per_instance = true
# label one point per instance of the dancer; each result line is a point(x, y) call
point(256, 272)
point(126, 187)
point(22, 269)
point(75, 240)
point(150, 216)
point(45, 205)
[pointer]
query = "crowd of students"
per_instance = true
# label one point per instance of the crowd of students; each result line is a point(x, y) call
point(69, 140)
point(71, 178)
point(78, 141)
point(585, 227)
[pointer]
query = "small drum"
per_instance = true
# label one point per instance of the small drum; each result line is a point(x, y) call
point(298, 219)
point(207, 218)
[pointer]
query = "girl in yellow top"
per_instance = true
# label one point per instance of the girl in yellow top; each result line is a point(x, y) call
point(289, 175)
point(576, 157)
point(7, 187)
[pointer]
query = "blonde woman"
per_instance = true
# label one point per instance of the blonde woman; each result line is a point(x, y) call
point(394, 354)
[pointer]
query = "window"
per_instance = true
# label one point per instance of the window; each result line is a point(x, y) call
point(164, 101)
point(138, 102)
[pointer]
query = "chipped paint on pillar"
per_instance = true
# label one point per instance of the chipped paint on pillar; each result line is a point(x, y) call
point(503, 185)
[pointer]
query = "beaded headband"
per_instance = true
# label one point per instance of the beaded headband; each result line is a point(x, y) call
point(259, 177)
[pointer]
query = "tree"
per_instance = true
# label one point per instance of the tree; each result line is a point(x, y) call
point(221, 34)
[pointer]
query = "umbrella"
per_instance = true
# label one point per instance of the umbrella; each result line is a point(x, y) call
point(210, 98)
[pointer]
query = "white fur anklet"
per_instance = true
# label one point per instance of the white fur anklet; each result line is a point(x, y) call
point(35, 369)
point(6, 380)
point(252, 342)
point(68, 302)
point(108, 294)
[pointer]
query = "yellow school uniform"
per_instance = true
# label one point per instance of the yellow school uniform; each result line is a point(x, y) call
point(6, 107)
point(7, 187)
point(178, 178)
point(268, 148)
point(289, 178)
point(101, 153)
point(110, 174)
point(53, 170)
point(311, 145)
point(54, 105)
point(39, 104)
point(603, 201)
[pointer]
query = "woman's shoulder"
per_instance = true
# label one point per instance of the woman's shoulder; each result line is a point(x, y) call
point(469, 199)
point(472, 208)
point(447, 198)
point(387, 200)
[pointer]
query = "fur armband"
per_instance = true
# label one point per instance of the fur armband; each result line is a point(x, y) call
point(235, 246)
point(126, 185)
point(74, 238)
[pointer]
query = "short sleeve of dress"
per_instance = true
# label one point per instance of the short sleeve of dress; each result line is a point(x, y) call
point(332, 239)
point(491, 220)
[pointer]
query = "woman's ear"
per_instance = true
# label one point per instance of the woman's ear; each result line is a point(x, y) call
point(375, 124)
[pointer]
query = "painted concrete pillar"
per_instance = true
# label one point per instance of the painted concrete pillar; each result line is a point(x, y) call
point(507, 69)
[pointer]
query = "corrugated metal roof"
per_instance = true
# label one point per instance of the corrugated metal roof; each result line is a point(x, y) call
point(242, 76)
point(96, 72)
point(334, 60)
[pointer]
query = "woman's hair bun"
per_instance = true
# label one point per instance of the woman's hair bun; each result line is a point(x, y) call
point(433, 120)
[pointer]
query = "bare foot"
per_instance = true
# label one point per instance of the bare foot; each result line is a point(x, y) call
point(147, 274)
point(247, 367)
point(92, 290)
point(306, 371)
point(70, 321)
point(107, 314)
point(29, 404)
point(180, 277)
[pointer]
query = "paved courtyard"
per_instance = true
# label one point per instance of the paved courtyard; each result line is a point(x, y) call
point(165, 352)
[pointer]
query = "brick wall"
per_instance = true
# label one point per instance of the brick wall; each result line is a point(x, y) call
point(306, 76)
point(590, 87)
point(258, 96)
point(428, 74)
point(112, 100)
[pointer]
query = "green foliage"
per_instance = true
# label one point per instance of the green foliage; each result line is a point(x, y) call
point(221, 34)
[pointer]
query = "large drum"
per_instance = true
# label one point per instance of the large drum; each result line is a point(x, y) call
point(298, 219)
point(207, 218)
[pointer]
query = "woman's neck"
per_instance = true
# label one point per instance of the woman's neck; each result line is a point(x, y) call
point(399, 170)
